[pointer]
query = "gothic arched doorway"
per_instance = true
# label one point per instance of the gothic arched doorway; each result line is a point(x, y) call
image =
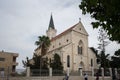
point(81, 66)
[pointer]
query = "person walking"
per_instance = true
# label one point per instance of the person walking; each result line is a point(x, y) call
point(66, 77)
point(85, 76)
point(97, 76)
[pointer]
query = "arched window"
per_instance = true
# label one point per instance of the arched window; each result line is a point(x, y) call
point(91, 62)
point(68, 61)
point(80, 47)
point(79, 50)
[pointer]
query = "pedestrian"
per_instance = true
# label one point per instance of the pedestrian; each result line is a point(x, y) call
point(113, 77)
point(85, 76)
point(97, 76)
point(66, 77)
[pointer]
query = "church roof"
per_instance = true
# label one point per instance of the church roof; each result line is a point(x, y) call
point(51, 23)
point(93, 50)
point(70, 29)
point(66, 31)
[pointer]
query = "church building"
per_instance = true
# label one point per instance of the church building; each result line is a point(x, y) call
point(72, 46)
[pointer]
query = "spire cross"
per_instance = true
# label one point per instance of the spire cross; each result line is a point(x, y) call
point(79, 19)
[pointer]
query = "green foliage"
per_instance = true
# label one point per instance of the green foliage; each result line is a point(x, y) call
point(45, 63)
point(115, 63)
point(56, 63)
point(38, 62)
point(106, 13)
point(117, 53)
point(26, 63)
point(104, 61)
point(43, 43)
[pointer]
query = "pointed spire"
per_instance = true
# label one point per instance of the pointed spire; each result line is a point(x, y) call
point(51, 23)
point(79, 19)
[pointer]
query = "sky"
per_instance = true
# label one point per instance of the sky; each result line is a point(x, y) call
point(22, 21)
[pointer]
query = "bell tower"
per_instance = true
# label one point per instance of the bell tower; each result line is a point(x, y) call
point(51, 32)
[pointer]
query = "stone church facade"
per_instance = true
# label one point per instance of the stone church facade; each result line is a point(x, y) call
point(72, 47)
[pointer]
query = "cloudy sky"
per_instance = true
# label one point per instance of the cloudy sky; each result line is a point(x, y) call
point(22, 21)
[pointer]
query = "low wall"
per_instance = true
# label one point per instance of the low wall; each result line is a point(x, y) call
point(57, 78)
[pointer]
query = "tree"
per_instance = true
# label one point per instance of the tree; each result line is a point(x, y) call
point(56, 63)
point(107, 15)
point(37, 61)
point(104, 61)
point(115, 63)
point(43, 43)
point(26, 63)
point(117, 53)
point(33, 63)
point(45, 63)
point(103, 39)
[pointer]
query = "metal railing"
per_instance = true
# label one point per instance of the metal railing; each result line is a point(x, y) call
point(38, 72)
point(57, 73)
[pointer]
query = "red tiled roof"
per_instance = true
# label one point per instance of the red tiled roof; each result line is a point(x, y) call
point(69, 29)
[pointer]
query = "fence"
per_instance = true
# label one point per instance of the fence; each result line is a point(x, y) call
point(50, 72)
point(23, 74)
point(58, 73)
point(38, 72)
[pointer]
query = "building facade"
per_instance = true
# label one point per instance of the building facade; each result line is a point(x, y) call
point(8, 62)
point(72, 47)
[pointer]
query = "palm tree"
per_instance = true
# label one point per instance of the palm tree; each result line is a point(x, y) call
point(43, 43)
